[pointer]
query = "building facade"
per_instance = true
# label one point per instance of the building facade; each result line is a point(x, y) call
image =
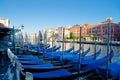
point(50, 33)
point(85, 35)
point(5, 35)
point(101, 30)
point(65, 30)
point(4, 22)
point(75, 29)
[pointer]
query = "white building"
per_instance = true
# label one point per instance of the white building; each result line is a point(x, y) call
point(66, 32)
point(50, 32)
point(4, 22)
point(34, 38)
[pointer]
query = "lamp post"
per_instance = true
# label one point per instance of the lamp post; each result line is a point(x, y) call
point(14, 31)
point(21, 41)
point(109, 20)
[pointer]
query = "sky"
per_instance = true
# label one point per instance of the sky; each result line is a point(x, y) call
point(37, 15)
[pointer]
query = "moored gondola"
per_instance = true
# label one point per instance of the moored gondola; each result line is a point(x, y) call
point(113, 71)
point(92, 64)
point(44, 67)
point(86, 68)
point(59, 74)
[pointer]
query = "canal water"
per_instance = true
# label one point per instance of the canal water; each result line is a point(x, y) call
point(8, 72)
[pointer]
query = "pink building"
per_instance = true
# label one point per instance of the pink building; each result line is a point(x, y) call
point(100, 30)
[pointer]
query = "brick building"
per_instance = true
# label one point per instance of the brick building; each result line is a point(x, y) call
point(84, 31)
point(76, 30)
point(100, 30)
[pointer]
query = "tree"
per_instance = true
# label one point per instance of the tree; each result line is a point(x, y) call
point(72, 35)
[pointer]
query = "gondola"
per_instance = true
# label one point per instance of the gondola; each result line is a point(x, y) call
point(57, 55)
point(44, 67)
point(44, 45)
point(70, 58)
point(54, 74)
point(75, 56)
point(49, 54)
point(32, 48)
point(40, 48)
point(92, 56)
point(57, 48)
point(33, 63)
point(53, 49)
point(39, 75)
point(69, 50)
point(59, 74)
point(113, 71)
point(47, 50)
point(51, 75)
point(92, 64)
point(32, 60)
point(85, 52)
